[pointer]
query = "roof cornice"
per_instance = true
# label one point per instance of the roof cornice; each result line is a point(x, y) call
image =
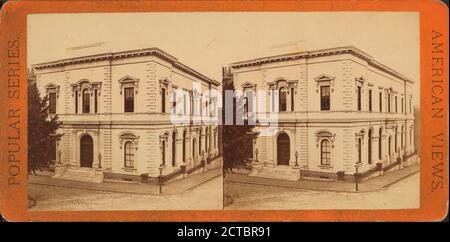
point(126, 54)
point(318, 53)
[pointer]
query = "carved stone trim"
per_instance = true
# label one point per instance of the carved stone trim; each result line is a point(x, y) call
point(128, 136)
point(324, 134)
point(128, 81)
point(324, 79)
point(52, 88)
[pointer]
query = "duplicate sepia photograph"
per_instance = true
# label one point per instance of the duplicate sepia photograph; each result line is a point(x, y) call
point(330, 113)
point(115, 121)
point(223, 110)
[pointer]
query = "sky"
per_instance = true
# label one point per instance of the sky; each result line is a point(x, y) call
point(208, 41)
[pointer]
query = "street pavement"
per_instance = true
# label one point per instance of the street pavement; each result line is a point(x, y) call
point(206, 196)
point(402, 194)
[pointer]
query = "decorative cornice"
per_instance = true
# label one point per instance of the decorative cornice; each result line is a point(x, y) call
point(319, 53)
point(126, 54)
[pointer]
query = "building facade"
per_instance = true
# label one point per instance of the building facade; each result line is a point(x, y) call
point(329, 113)
point(131, 115)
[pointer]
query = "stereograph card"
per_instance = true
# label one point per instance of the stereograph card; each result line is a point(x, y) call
point(224, 111)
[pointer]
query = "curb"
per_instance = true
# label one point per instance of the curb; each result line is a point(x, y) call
point(126, 192)
point(197, 185)
point(328, 190)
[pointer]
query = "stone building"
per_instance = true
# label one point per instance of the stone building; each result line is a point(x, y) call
point(130, 115)
point(327, 113)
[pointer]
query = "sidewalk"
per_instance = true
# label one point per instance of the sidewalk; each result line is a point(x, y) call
point(369, 185)
point(173, 187)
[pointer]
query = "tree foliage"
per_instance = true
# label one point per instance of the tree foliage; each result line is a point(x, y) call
point(237, 138)
point(42, 128)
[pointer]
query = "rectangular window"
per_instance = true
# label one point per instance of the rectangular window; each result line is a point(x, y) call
point(381, 101)
point(129, 99)
point(396, 104)
point(325, 98)
point(174, 103)
point(76, 101)
point(292, 99)
point(86, 101)
point(389, 103)
point(95, 101)
point(370, 100)
point(250, 101)
point(52, 102)
point(359, 98)
point(163, 100)
point(245, 106)
point(402, 105)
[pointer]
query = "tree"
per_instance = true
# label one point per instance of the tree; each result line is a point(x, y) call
point(237, 138)
point(42, 129)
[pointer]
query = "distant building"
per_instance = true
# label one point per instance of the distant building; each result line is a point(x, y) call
point(334, 111)
point(117, 112)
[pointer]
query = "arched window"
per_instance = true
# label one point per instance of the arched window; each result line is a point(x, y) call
point(359, 150)
point(174, 146)
point(76, 101)
point(369, 147)
point(282, 99)
point(325, 153)
point(129, 154)
point(86, 101)
point(379, 144)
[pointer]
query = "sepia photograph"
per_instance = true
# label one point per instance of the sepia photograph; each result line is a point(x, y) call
point(223, 110)
point(116, 122)
point(330, 114)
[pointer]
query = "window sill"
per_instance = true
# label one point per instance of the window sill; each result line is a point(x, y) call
point(129, 169)
point(325, 167)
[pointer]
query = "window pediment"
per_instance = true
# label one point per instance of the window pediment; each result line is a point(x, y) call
point(52, 88)
point(360, 79)
point(324, 77)
point(360, 135)
point(323, 80)
point(248, 85)
point(128, 136)
point(164, 81)
point(128, 81)
point(324, 134)
point(86, 84)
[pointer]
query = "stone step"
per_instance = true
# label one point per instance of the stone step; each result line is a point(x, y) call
point(84, 175)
